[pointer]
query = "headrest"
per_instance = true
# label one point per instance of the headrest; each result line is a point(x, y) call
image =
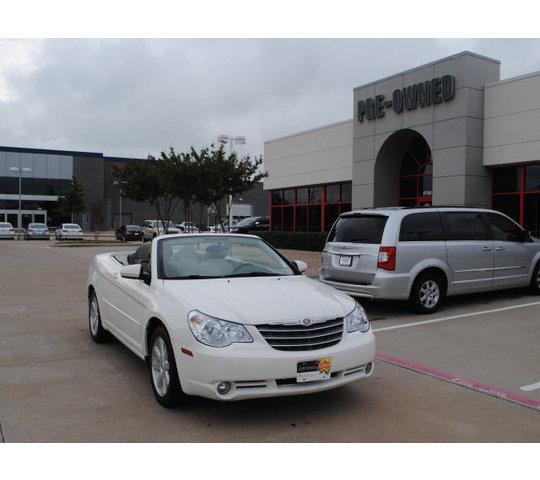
point(141, 254)
point(216, 251)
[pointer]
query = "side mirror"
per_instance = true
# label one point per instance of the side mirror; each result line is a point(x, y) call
point(302, 266)
point(132, 271)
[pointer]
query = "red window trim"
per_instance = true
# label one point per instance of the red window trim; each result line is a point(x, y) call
point(521, 192)
point(322, 204)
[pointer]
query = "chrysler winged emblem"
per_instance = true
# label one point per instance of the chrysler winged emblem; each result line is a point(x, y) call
point(306, 322)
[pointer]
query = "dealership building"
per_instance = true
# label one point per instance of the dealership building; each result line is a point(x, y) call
point(447, 133)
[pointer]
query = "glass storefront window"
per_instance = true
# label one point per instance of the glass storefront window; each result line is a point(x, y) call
point(276, 218)
point(531, 211)
point(288, 197)
point(288, 219)
point(346, 192)
point(532, 177)
point(301, 219)
point(331, 212)
point(332, 194)
point(312, 209)
point(505, 180)
point(314, 218)
point(507, 204)
point(315, 195)
point(277, 197)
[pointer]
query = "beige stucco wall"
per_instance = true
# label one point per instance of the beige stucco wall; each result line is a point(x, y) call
point(512, 120)
point(322, 155)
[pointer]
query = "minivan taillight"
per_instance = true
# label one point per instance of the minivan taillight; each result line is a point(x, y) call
point(387, 258)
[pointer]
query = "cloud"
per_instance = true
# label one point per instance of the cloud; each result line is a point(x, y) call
point(135, 97)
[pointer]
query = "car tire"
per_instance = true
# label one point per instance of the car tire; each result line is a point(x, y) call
point(534, 286)
point(97, 332)
point(163, 373)
point(427, 293)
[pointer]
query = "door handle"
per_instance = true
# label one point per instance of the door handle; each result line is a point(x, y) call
point(486, 249)
point(499, 249)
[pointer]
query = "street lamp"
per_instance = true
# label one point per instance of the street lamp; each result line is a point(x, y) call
point(20, 171)
point(118, 185)
point(223, 139)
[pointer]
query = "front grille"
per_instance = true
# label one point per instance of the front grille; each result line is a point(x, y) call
point(296, 337)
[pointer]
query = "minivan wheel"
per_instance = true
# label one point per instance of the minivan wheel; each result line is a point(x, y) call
point(163, 373)
point(427, 293)
point(534, 287)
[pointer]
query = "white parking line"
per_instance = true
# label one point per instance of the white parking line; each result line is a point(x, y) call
point(531, 387)
point(454, 317)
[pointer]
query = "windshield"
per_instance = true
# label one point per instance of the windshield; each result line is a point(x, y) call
point(72, 226)
point(247, 221)
point(5, 225)
point(133, 227)
point(222, 257)
point(358, 229)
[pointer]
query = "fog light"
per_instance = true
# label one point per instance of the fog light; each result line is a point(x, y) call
point(369, 368)
point(224, 387)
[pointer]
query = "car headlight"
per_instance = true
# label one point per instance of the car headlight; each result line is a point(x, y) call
point(357, 320)
point(216, 333)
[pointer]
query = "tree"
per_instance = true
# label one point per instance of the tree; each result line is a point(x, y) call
point(148, 181)
point(72, 201)
point(220, 175)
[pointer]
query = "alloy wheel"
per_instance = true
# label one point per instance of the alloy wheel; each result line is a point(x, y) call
point(94, 316)
point(161, 374)
point(429, 294)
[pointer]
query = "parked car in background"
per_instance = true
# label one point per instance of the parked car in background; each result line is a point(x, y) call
point(227, 317)
point(154, 228)
point(252, 224)
point(187, 227)
point(425, 254)
point(7, 231)
point(37, 231)
point(69, 231)
point(214, 228)
point(129, 233)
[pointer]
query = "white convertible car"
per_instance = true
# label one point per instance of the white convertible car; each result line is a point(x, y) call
point(227, 317)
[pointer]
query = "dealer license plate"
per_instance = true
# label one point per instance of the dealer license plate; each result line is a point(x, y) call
point(314, 370)
point(345, 261)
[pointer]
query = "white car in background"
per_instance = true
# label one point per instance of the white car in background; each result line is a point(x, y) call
point(154, 228)
point(69, 231)
point(7, 231)
point(187, 227)
point(227, 317)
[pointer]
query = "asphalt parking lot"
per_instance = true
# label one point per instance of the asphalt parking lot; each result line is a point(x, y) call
point(465, 373)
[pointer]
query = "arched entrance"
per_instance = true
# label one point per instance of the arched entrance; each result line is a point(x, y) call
point(403, 171)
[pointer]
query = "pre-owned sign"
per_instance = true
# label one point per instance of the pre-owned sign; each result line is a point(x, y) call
point(436, 90)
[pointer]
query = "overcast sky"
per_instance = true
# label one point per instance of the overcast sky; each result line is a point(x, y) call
point(135, 97)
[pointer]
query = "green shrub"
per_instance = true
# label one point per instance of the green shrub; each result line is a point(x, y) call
point(312, 241)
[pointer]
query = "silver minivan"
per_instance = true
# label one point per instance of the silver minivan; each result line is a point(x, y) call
point(423, 254)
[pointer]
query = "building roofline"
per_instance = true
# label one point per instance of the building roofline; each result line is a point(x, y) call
point(121, 159)
point(329, 125)
point(456, 55)
point(512, 79)
point(50, 151)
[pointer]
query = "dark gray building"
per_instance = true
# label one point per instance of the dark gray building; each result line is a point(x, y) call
point(47, 173)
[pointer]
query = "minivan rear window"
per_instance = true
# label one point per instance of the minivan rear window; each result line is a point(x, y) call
point(358, 229)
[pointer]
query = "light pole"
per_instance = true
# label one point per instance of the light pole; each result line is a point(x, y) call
point(118, 185)
point(20, 172)
point(223, 139)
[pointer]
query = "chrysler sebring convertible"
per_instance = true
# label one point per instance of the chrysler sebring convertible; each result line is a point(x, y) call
point(227, 317)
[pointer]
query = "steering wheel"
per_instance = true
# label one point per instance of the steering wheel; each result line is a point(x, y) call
point(240, 267)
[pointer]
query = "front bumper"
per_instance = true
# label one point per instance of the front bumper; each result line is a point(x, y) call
point(257, 370)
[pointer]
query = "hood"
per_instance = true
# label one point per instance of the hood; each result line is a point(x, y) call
point(259, 300)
